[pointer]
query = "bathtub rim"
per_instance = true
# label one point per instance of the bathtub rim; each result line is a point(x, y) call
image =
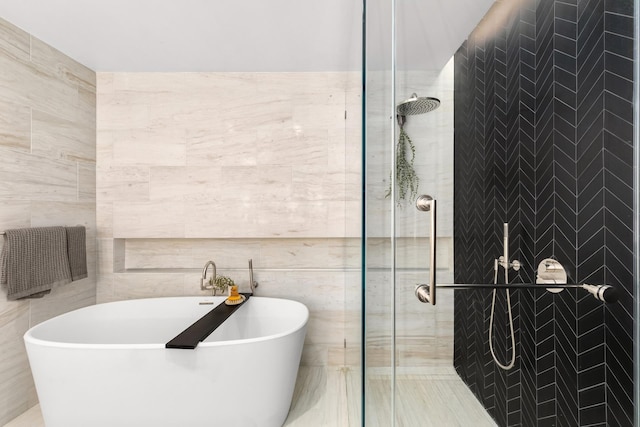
point(30, 339)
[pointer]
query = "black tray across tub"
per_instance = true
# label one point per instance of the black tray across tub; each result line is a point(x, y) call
point(203, 327)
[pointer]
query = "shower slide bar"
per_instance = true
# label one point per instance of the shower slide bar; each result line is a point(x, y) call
point(548, 270)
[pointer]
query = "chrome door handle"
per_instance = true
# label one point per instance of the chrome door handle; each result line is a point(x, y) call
point(427, 293)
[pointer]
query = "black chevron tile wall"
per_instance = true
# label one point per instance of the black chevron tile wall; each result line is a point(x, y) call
point(543, 141)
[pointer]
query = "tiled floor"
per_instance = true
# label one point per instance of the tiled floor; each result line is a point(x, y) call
point(425, 397)
point(331, 398)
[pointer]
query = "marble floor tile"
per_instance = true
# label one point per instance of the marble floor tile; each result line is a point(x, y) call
point(320, 398)
point(31, 418)
point(330, 397)
point(430, 396)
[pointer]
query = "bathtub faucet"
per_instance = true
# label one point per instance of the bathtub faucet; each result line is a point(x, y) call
point(252, 283)
point(205, 284)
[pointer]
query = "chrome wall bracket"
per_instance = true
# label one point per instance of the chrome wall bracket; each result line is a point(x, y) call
point(515, 264)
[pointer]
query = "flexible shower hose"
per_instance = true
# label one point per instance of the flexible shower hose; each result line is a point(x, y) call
point(493, 306)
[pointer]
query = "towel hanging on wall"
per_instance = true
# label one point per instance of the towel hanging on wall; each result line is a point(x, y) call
point(36, 259)
point(77, 251)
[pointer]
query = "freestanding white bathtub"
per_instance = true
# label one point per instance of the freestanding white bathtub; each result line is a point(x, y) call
point(106, 365)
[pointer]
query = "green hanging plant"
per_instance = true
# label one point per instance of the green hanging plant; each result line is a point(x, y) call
point(406, 178)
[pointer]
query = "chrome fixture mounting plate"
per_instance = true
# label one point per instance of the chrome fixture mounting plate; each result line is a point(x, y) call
point(551, 272)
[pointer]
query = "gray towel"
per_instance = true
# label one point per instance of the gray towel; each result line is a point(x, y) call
point(34, 260)
point(77, 250)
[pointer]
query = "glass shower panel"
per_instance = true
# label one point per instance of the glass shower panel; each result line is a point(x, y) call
point(378, 261)
point(404, 339)
point(515, 140)
point(424, 333)
point(636, 209)
point(409, 379)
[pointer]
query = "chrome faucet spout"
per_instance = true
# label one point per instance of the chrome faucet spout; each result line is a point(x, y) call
point(204, 283)
point(252, 283)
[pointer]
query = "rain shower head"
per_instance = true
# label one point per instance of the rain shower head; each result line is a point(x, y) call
point(417, 105)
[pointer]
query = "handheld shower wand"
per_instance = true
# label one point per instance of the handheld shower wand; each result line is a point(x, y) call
point(504, 259)
point(505, 250)
point(504, 262)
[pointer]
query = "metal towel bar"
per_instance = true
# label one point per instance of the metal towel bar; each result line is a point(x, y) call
point(605, 293)
point(2, 233)
point(550, 273)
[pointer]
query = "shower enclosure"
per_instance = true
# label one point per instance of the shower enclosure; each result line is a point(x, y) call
point(536, 133)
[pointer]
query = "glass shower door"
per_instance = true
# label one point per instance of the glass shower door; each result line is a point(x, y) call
point(424, 170)
point(409, 378)
point(409, 152)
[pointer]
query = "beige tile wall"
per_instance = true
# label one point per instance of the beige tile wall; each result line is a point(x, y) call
point(47, 177)
point(229, 155)
point(232, 166)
